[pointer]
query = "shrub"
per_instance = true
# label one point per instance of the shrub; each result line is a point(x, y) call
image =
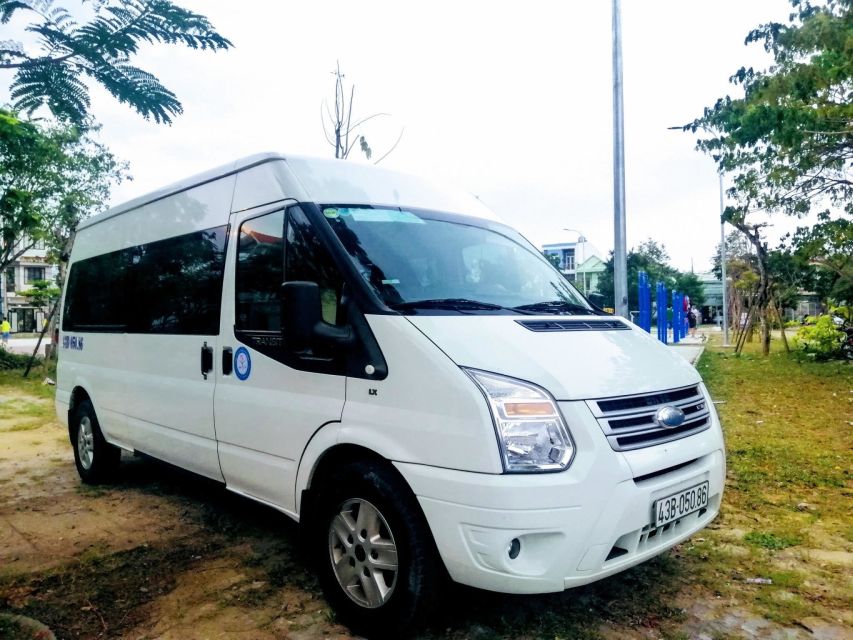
point(9, 360)
point(822, 339)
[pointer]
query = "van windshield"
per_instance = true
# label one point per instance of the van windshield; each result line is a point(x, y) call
point(423, 262)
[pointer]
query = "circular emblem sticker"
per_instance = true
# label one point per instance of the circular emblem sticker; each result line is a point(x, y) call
point(242, 363)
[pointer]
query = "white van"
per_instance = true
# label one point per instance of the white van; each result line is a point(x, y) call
point(387, 363)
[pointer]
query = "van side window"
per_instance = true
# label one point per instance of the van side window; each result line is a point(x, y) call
point(94, 298)
point(170, 286)
point(272, 249)
point(307, 259)
point(260, 272)
point(175, 285)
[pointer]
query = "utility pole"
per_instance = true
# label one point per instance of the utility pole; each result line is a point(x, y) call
point(723, 266)
point(620, 264)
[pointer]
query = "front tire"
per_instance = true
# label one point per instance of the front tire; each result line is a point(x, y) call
point(95, 458)
point(376, 559)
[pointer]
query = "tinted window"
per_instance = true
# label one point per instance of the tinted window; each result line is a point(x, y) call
point(274, 248)
point(307, 259)
point(169, 286)
point(260, 272)
point(95, 296)
point(175, 285)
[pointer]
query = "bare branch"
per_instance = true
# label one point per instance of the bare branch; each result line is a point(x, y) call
point(349, 116)
point(323, 122)
point(394, 146)
point(363, 120)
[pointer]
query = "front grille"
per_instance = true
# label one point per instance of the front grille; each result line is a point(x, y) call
point(573, 325)
point(629, 422)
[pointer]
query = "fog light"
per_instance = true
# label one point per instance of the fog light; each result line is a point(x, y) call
point(514, 548)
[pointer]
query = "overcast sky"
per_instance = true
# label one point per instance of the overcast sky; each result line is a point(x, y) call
point(511, 101)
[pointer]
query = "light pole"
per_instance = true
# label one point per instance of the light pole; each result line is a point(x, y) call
point(723, 266)
point(581, 241)
point(620, 256)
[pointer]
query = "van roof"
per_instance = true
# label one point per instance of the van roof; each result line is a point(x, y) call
point(312, 173)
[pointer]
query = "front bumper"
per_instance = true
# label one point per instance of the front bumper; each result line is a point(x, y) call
point(575, 527)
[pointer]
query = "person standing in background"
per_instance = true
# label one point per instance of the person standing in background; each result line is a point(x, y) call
point(692, 320)
point(5, 329)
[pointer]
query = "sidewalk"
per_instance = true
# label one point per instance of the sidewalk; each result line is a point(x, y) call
point(689, 348)
point(26, 345)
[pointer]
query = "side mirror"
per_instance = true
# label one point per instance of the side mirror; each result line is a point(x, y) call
point(302, 321)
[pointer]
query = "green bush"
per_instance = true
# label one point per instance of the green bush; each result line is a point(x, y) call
point(821, 339)
point(9, 360)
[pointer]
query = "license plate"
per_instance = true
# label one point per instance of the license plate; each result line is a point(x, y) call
point(680, 504)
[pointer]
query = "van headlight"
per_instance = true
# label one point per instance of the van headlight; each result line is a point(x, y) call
point(531, 432)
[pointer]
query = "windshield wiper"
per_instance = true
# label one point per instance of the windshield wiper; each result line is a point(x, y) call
point(557, 307)
point(454, 304)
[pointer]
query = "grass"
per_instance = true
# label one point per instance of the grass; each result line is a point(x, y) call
point(771, 541)
point(787, 426)
point(12, 381)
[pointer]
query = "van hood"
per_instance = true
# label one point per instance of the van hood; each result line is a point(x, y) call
point(571, 365)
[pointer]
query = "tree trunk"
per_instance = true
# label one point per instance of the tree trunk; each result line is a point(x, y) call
point(762, 298)
point(778, 308)
point(41, 337)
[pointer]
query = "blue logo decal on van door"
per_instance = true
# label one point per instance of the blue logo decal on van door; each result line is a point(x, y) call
point(242, 363)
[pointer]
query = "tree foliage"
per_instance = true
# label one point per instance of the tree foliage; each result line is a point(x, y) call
point(100, 49)
point(652, 258)
point(788, 142)
point(828, 246)
point(51, 177)
point(42, 293)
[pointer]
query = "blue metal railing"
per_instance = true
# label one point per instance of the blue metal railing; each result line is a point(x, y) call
point(645, 297)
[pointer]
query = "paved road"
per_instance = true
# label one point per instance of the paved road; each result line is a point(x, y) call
point(26, 345)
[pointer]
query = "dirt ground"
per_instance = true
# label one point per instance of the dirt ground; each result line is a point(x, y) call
point(163, 554)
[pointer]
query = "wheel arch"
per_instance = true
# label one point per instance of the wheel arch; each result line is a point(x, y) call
point(78, 395)
point(329, 449)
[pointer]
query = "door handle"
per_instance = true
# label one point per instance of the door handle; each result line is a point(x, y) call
point(227, 361)
point(206, 360)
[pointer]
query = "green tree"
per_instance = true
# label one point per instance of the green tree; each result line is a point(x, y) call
point(650, 257)
point(828, 246)
point(737, 248)
point(788, 141)
point(42, 293)
point(51, 177)
point(688, 283)
point(100, 49)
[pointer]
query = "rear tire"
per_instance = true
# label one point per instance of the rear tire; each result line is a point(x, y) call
point(95, 458)
point(375, 556)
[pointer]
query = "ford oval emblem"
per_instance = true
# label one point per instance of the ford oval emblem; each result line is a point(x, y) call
point(669, 417)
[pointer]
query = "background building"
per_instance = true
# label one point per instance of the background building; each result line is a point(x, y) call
point(31, 266)
point(712, 290)
point(579, 261)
